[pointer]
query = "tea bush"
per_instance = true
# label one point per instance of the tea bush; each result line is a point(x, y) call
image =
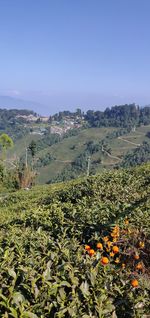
point(79, 249)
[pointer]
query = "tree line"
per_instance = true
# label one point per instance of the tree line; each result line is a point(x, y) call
point(126, 116)
point(123, 116)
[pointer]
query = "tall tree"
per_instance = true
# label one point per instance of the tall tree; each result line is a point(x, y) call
point(5, 142)
point(32, 147)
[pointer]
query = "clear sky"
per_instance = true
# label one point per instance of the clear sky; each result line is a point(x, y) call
point(75, 53)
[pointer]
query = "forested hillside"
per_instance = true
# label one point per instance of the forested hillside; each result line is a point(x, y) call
point(12, 124)
point(119, 116)
point(71, 144)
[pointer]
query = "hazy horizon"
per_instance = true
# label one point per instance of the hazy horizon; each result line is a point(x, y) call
point(65, 55)
point(17, 103)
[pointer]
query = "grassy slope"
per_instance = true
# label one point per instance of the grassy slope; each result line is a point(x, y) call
point(21, 145)
point(63, 152)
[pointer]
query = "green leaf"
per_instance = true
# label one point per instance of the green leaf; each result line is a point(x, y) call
point(18, 298)
point(6, 254)
point(62, 293)
point(14, 313)
point(85, 288)
point(46, 274)
point(29, 314)
point(65, 283)
point(12, 273)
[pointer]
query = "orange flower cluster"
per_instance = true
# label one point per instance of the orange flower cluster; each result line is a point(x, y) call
point(119, 247)
point(107, 248)
point(115, 233)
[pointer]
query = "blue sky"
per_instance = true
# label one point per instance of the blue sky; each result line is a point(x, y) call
point(75, 53)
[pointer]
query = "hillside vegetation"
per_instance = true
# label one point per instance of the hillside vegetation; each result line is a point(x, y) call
point(59, 159)
point(77, 249)
point(72, 144)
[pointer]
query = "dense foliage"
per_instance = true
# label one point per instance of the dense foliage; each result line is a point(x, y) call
point(8, 179)
point(45, 234)
point(137, 156)
point(126, 115)
point(119, 116)
point(11, 124)
point(47, 140)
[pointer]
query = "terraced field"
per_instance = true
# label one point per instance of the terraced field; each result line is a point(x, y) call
point(69, 148)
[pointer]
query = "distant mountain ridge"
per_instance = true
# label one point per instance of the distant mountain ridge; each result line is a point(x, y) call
point(17, 103)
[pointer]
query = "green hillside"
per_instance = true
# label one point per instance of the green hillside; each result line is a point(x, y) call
point(45, 234)
point(67, 150)
point(69, 145)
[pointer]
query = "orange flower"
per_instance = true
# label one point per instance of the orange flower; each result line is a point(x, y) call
point(134, 283)
point(139, 266)
point(99, 246)
point(91, 252)
point(136, 256)
point(116, 230)
point(105, 238)
point(104, 260)
point(114, 234)
point(115, 249)
point(112, 254)
point(123, 265)
point(87, 247)
point(126, 222)
point(109, 244)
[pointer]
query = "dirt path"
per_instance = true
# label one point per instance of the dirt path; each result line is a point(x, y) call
point(125, 140)
point(128, 141)
point(128, 136)
point(64, 161)
point(109, 155)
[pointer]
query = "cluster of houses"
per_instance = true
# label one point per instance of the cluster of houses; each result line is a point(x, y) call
point(55, 127)
point(64, 125)
point(33, 118)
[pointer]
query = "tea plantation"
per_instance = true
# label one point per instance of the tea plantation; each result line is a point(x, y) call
point(79, 249)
